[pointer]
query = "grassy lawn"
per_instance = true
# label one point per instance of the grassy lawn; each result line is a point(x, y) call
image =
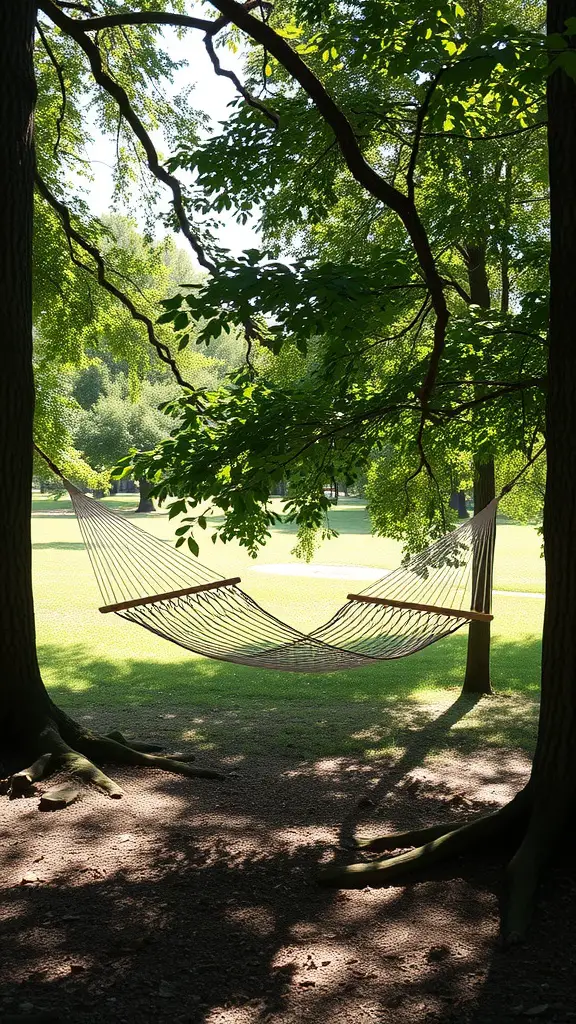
point(90, 660)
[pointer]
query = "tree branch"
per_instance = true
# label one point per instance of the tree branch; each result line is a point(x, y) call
point(360, 169)
point(73, 235)
point(459, 289)
point(168, 18)
point(520, 385)
point(70, 27)
point(420, 118)
point(61, 82)
point(171, 19)
point(421, 314)
point(251, 100)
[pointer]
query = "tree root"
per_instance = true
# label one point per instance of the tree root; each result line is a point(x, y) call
point(106, 749)
point(146, 748)
point(64, 745)
point(543, 836)
point(536, 825)
point(22, 783)
point(402, 840)
point(77, 764)
point(444, 842)
point(59, 796)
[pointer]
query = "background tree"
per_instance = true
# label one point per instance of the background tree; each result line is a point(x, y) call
point(112, 425)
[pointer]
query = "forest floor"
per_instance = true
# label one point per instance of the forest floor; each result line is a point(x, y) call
point(196, 900)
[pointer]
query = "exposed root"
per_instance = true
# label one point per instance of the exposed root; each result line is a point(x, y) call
point(88, 772)
point(59, 796)
point(76, 763)
point(147, 748)
point(22, 783)
point(472, 835)
point(106, 749)
point(402, 840)
point(64, 745)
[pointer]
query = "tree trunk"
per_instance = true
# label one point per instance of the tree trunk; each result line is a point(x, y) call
point(22, 694)
point(554, 770)
point(145, 504)
point(30, 724)
point(477, 675)
point(458, 503)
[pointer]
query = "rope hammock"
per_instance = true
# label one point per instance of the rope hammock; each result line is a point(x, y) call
point(146, 581)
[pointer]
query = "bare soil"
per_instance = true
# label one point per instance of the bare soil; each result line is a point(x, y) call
point(196, 901)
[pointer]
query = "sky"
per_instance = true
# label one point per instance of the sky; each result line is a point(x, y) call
point(211, 94)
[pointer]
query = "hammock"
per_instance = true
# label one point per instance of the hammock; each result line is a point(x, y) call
point(146, 581)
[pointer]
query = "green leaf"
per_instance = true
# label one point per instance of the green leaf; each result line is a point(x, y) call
point(566, 61)
point(193, 545)
point(555, 41)
point(181, 321)
point(176, 508)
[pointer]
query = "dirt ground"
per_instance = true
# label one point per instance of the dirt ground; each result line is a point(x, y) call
point(196, 901)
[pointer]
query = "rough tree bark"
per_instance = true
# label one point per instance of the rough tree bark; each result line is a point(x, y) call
point(32, 728)
point(23, 695)
point(477, 675)
point(554, 768)
point(544, 809)
point(145, 504)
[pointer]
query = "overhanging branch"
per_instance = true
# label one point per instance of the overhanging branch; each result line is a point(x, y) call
point(251, 100)
point(99, 272)
point(70, 26)
point(61, 83)
point(420, 119)
point(168, 18)
point(171, 19)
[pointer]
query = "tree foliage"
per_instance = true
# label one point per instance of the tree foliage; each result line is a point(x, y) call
point(447, 107)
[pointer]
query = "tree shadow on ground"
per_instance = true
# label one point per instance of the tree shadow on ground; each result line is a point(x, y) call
point(298, 725)
point(196, 682)
point(197, 902)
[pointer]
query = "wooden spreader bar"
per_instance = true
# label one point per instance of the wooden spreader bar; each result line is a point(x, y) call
point(455, 613)
point(155, 598)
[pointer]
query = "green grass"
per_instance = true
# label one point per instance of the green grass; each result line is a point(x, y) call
point(101, 661)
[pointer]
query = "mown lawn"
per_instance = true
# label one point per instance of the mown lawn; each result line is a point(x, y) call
point(90, 660)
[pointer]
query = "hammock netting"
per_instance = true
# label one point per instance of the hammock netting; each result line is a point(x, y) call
point(428, 597)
